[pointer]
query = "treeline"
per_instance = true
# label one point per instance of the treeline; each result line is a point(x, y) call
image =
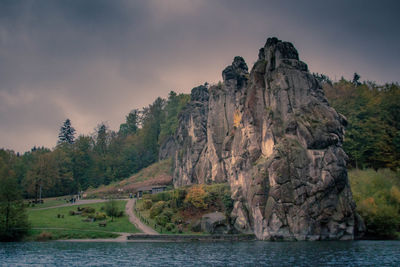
point(76, 164)
point(372, 138)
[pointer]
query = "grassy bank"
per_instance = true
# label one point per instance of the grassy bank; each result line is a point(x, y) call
point(377, 195)
point(61, 225)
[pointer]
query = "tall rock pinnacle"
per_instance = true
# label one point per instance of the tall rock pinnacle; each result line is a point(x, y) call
point(273, 136)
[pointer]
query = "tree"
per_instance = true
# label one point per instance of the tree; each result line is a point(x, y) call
point(131, 124)
point(67, 133)
point(82, 162)
point(102, 139)
point(356, 79)
point(112, 209)
point(41, 176)
point(13, 218)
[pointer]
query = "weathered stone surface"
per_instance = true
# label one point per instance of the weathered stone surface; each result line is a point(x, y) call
point(273, 136)
point(215, 223)
point(191, 138)
point(167, 149)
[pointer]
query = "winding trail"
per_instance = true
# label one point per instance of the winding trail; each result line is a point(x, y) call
point(135, 220)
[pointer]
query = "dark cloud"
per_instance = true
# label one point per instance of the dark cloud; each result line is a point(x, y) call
point(94, 61)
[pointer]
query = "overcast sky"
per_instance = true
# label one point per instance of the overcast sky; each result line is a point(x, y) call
point(94, 61)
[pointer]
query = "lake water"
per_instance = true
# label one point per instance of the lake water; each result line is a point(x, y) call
point(371, 253)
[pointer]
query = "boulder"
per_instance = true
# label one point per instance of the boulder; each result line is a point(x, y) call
point(215, 223)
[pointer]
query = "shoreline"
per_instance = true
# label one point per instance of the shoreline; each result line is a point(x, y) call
point(167, 238)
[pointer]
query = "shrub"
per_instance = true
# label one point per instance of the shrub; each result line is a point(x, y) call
point(377, 196)
point(380, 220)
point(157, 209)
point(100, 216)
point(88, 210)
point(71, 212)
point(177, 219)
point(228, 202)
point(170, 226)
point(168, 213)
point(196, 197)
point(161, 220)
point(44, 236)
point(178, 198)
point(112, 209)
point(162, 196)
point(147, 204)
point(219, 196)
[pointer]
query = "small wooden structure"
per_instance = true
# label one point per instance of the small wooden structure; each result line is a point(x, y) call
point(150, 190)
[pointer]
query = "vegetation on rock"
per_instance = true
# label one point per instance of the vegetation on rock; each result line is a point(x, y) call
point(179, 209)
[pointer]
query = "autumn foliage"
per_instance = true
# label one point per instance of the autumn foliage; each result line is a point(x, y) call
point(196, 197)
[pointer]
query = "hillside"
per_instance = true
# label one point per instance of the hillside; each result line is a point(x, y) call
point(159, 173)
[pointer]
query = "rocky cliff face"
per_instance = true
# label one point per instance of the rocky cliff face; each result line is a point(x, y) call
point(273, 136)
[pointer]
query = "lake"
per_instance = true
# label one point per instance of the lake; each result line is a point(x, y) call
point(372, 253)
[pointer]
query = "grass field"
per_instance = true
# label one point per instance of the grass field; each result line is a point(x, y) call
point(73, 226)
point(49, 202)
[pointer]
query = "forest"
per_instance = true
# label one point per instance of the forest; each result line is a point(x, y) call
point(76, 163)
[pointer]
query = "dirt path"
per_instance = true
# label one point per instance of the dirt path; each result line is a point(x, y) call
point(135, 220)
point(130, 204)
point(79, 202)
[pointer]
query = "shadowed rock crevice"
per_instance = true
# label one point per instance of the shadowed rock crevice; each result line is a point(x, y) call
point(272, 135)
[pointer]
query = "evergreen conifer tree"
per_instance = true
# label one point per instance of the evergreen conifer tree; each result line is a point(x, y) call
point(67, 133)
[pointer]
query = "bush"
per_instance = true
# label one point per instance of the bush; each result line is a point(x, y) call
point(178, 198)
point(88, 210)
point(147, 204)
point(170, 226)
point(162, 196)
point(112, 209)
point(380, 220)
point(44, 236)
point(161, 220)
point(219, 196)
point(100, 216)
point(177, 218)
point(71, 213)
point(377, 196)
point(196, 197)
point(168, 213)
point(157, 209)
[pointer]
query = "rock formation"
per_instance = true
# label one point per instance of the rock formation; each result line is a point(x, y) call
point(273, 136)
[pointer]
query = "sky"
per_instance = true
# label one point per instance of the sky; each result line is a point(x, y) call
point(93, 61)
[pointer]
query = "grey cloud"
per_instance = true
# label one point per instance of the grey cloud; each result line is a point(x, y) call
point(95, 60)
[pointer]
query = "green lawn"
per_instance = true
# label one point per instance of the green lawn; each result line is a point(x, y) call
point(47, 220)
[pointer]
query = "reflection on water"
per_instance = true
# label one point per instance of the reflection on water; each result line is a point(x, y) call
point(372, 253)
